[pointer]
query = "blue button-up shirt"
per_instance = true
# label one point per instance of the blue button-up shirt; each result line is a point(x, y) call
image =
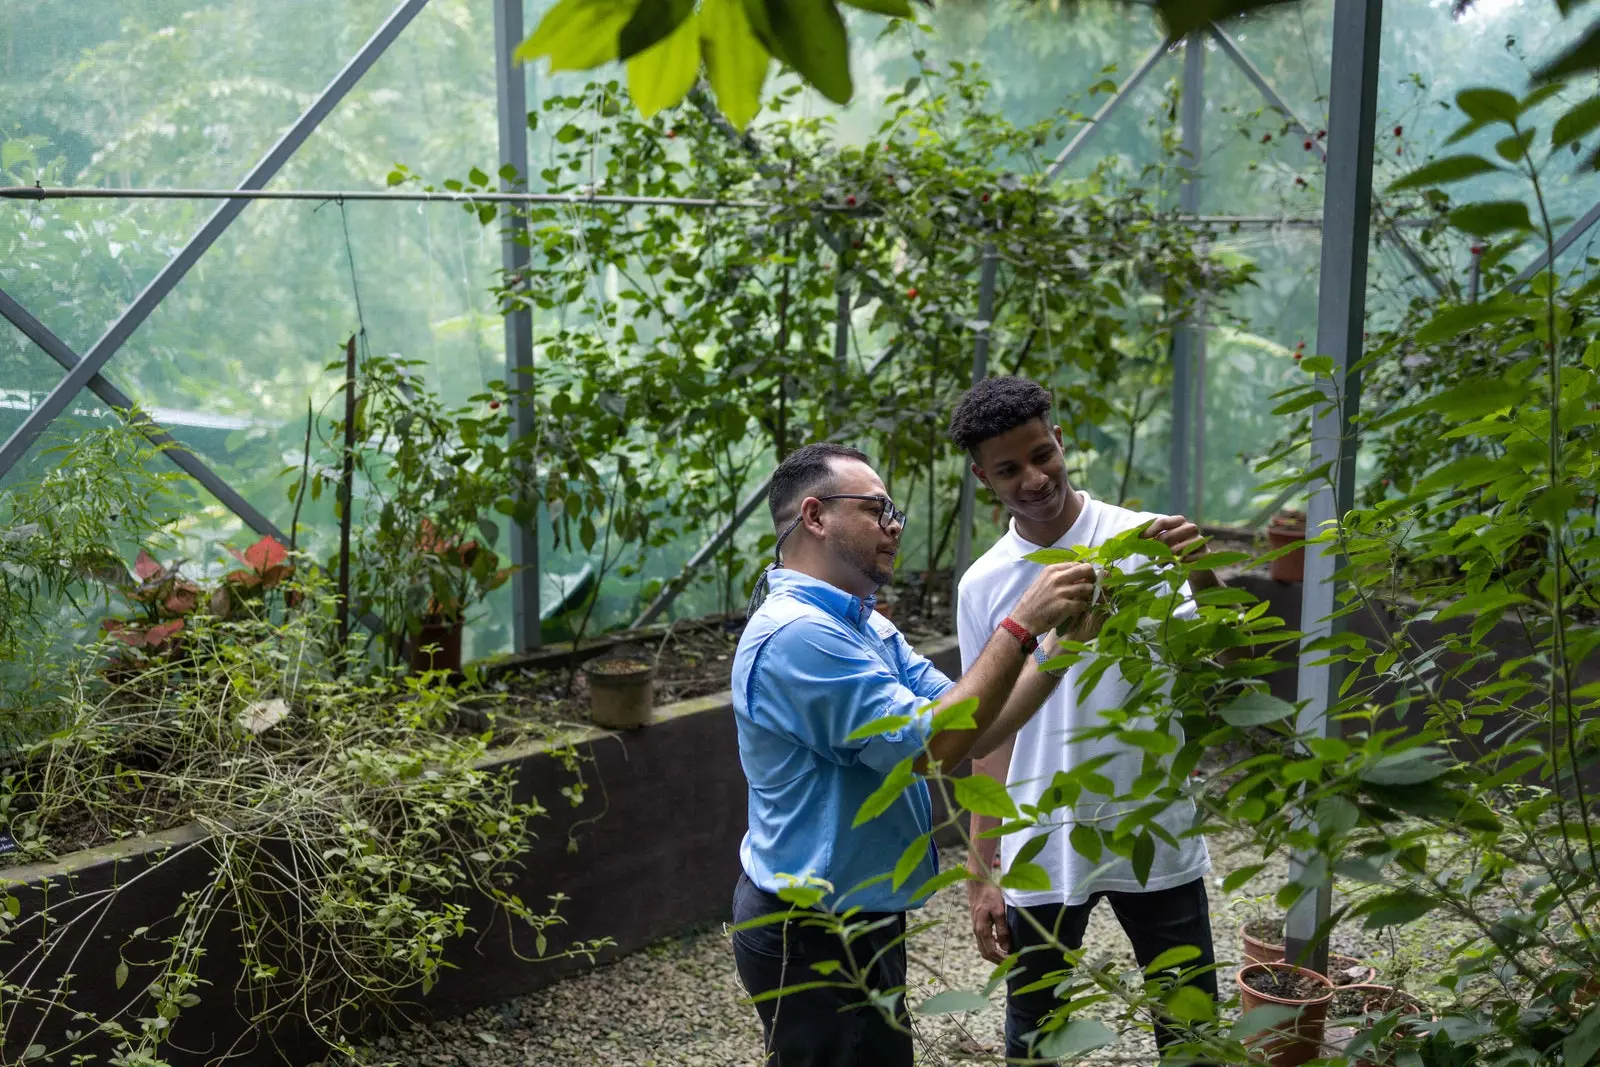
point(814, 665)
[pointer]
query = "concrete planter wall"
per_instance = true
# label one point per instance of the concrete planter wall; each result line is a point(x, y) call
point(657, 841)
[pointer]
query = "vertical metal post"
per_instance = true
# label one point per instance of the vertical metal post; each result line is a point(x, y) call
point(1475, 275)
point(1188, 339)
point(1199, 416)
point(1341, 308)
point(841, 343)
point(980, 371)
point(511, 101)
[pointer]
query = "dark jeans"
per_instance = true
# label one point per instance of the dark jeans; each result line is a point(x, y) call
point(820, 1027)
point(1154, 922)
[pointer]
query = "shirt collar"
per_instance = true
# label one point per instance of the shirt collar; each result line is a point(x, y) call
point(825, 595)
point(1075, 535)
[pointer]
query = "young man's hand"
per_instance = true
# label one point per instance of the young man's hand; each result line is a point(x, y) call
point(1187, 543)
point(989, 927)
point(1061, 591)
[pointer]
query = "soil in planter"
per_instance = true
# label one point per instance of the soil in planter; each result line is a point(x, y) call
point(1285, 984)
point(1348, 1003)
point(618, 667)
point(1267, 930)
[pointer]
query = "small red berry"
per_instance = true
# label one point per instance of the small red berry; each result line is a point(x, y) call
point(1300, 181)
point(1266, 137)
point(1477, 250)
point(911, 293)
point(1321, 134)
point(672, 133)
point(1300, 346)
point(1398, 130)
point(1297, 357)
point(985, 198)
point(494, 405)
point(1386, 481)
point(850, 201)
point(855, 244)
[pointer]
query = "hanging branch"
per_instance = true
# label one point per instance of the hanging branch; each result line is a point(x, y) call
point(347, 490)
point(305, 480)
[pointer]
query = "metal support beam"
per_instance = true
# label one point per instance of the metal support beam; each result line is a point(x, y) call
point(1341, 310)
point(1231, 49)
point(1564, 242)
point(511, 102)
point(1107, 109)
point(670, 591)
point(112, 340)
point(980, 370)
point(1188, 339)
point(1201, 331)
point(186, 461)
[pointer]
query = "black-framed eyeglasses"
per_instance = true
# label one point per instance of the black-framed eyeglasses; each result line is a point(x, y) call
point(888, 514)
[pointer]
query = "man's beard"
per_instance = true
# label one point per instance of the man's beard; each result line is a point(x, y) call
point(865, 559)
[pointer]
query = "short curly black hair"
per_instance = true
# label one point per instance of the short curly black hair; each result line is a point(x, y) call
point(995, 406)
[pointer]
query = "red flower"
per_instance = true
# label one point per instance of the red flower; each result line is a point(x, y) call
point(268, 562)
point(911, 293)
point(145, 567)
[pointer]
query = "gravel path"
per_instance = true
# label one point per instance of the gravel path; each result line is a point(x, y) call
point(677, 1003)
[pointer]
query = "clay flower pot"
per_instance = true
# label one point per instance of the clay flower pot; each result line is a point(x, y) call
point(437, 646)
point(621, 692)
point(1371, 1001)
point(1297, 1040)
point(1348, 971)
point(1286, 528)
point(1258, 948)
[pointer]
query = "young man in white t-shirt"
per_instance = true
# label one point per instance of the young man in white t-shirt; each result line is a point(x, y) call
point(1004, 425)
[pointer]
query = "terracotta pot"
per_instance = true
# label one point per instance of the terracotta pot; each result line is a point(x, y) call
point(1342, 966)
point(621, 692)
point(1286, 528)
point(1295, 1041)
point(1258, 951)
point(1378, 1000)
point(440, 631)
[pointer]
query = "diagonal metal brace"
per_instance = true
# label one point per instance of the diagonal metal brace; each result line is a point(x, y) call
point(87, 368)
point(1109, 108)
point(1564, 242)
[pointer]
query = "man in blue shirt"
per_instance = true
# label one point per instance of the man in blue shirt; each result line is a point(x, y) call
point(816, 663)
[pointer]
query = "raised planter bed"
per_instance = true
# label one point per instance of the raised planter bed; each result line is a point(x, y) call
point(656, 851)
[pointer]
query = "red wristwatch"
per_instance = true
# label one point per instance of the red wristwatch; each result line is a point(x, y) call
point(1020, 632)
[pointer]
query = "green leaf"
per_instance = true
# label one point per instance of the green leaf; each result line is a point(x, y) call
point(1144, 855)
point(897, 782)
point(1176, 956)
point(1512, 149)
point(1078, 1037)
point(1239, 877)
point(1488, 105)
point(1395, 909)
point(1443, 171)
point(939, 881)
point(121, 973)
point(1405, 768)
point(1491, 217)
point(662, 75)
point(577, 34)
point(982, 795)
point(886, 725)
point(1584, 1041)
point(808, 35)
point(1470, 400)
point(1260, 1020)
point(952, 1001)
point(1031, 848)
point(958, 716)
point(1255, 708)
point(1583, 56)
point(900, 9)
point(736, 61)
point(911, 859)
point(1027, 877)
point(1188, 1004)
point(652, 22)
point(13, 906)
point(1452, 322)
point(1577, 123)
point(1085, 841)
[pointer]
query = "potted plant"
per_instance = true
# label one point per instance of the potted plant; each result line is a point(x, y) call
point(1260, 934)
point(1309, 994)
point(1367, 1022)
point(1344, 971)
point(1286, 528)
point(621, 691)
point(456, 574)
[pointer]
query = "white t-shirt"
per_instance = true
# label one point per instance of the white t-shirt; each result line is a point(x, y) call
point(988, 591)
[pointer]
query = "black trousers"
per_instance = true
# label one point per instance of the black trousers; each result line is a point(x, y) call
point(1154, 922)
point(821, 1027)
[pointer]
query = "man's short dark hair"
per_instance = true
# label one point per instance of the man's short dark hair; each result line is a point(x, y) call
point(995, 406)
point(806, 471)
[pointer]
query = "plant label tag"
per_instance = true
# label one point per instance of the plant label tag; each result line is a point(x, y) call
point(8, 844)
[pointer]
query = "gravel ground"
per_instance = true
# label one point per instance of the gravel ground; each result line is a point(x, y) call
point(677, 1003)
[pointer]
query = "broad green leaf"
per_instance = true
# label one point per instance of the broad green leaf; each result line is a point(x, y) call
point(1478, 603)
point(1255, 708)
point(652, 22)
point(1050, 556)
point(1457, 320)
point(1577, 123)
point(939, 881)
point(1085, 841)
point(1031, 848)
point(1176, 956)
point(910, 860)
point(808, 35)
point(1262, 1019)
point(1144, 855)
point(1443, 171)
point(1395, 909)
point(1239, 877)
point(1584, 1041)
point(982, 795)
point(1405, 768)
point(736, 61)
point(1512, 149)
point(122, 973)
point(662, 75)
point(886, 794)
point(900, 9)
point(952, 1001)
point(886, 725)
point(1488, 105)
point(958, 716)
point(1582, 56)
point(1470, 400)
point(1188, 1004)
point(1027, 877)
point(577, 34)
point(1075, 1039)
point(1491, 217)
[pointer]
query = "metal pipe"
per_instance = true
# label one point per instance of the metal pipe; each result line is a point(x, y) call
point(980, 370)
point(511, 104)
point(34, 193)
point(1564, 242)
point(1341, 309)
point(1186, 341)
point(1107, 109)
point(130, 320)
